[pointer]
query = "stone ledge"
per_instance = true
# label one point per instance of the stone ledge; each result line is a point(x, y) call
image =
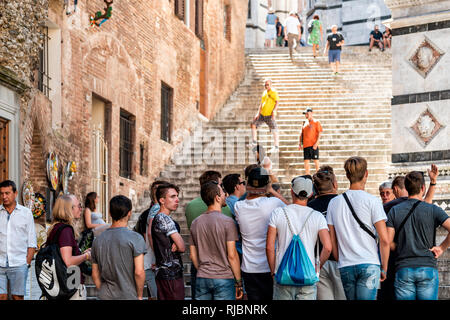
point(9, 78)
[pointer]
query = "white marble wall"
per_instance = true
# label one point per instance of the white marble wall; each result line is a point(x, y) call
point(408, 83)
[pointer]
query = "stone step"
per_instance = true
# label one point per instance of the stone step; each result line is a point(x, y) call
point(360, 124)
point(319, 73)
point(354, 112)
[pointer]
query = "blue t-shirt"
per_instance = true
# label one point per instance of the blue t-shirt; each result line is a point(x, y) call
point(271, 18)
point(153, 211)
point(376, 35)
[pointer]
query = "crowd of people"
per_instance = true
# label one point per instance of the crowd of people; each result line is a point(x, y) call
point(241, 235)
point(290, 33)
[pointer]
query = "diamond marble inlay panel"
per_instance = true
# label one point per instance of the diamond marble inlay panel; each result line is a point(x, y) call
point(425, 57)
point(426, 127)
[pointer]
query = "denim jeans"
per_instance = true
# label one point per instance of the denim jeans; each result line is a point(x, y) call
point(281, 292)
point(214, 289)
point(17, 277)
point(416, 283)
point(193, 278)
point(151, 283)
point(361, 281)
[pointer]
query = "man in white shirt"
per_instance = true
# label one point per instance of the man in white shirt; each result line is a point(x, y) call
point(293, 31)
point(354, 245)
point(252, 215)
point(17, 242)
point(310, 225)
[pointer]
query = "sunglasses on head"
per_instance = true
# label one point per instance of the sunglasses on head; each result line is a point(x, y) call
point(219, 184)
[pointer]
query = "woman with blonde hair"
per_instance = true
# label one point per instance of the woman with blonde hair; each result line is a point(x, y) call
point(66, 209)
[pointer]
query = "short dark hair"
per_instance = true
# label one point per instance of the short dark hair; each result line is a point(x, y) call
point(89, 202)
point(119, 206)
point(414, 182)
point(326, 168)
point(230, 182)
point(8, 183)
point(156, 183)
point(208, 191)
point(399, 181)
point(249, 168)
point(162, 189)
point(153, 187)
point(209, 175)
point(323, 181)
point(316, 17)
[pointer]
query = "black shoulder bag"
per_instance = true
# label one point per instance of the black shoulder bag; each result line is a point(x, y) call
point(362, 225)
point(400, 227)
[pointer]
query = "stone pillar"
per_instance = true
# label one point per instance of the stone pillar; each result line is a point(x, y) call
point(256, 19)
point(421, 98)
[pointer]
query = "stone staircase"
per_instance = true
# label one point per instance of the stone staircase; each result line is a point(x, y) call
point(353, 108)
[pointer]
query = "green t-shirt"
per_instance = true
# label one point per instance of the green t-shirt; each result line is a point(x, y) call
point(196, 207)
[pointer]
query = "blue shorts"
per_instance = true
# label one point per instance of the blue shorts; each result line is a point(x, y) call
point(334, 55)
point(17, 277)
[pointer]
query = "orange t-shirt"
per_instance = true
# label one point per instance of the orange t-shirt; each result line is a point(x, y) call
point(310, 132)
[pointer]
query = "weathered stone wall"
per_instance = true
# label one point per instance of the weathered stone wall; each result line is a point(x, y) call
point(20, 36)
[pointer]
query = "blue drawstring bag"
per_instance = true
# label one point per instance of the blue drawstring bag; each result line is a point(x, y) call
point(296, 269)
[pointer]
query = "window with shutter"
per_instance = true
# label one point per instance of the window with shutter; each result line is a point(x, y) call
point(166, 112)
point(127, 134)
point(227, 22)
point(199, 18)
point(180, 8)
point(43, 74)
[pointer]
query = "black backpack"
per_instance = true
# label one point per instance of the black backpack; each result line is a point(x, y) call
point(51, 271)
point(141, 224)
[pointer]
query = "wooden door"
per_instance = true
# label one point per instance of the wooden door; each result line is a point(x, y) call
point(4, 149)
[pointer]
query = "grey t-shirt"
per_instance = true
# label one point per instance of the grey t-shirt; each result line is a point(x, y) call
point(114, 251)
point(418, 234)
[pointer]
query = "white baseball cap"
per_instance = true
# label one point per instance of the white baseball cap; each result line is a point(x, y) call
point(302, 186)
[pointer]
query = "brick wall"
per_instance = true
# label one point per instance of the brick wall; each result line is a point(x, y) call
point(124, 63)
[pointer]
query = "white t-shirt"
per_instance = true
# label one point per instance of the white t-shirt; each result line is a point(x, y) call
point(355, 245)
point(297, 216)
point(253, 218)
point(291, 25)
